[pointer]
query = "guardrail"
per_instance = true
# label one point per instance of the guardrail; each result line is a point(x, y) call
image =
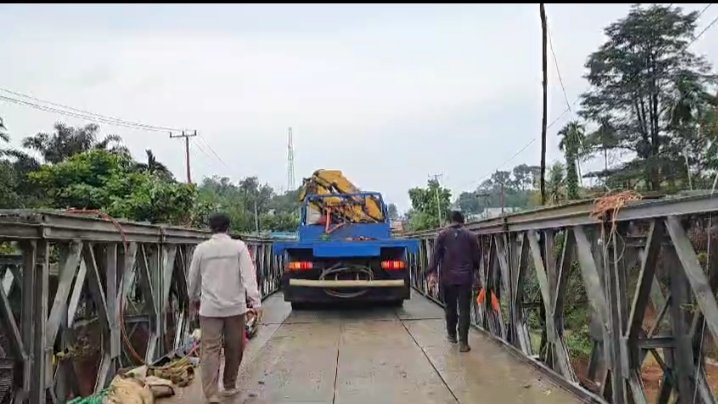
point(101, 295)
point(602, 308)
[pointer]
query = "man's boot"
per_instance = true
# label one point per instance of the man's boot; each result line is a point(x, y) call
point(464, 347)
point(451, 338)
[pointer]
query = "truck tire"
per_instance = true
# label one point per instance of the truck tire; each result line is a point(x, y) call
point(296, 306)
point(396, 303)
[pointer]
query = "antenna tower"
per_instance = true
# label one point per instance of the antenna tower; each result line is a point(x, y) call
point(290, 163)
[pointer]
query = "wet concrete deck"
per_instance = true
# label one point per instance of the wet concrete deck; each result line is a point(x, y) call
point(376, 355)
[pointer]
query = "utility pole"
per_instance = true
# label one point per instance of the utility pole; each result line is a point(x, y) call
point(256, 217)
point(544, 63)
point(503, 199)
point(186, 137)
point(438, 200)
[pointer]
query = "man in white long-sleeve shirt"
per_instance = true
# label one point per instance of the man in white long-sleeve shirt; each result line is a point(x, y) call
point(222, 269)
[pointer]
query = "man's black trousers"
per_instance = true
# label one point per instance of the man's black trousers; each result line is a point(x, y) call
point(458, 296)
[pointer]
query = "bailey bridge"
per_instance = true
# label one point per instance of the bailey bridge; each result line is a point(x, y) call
point(577, 310)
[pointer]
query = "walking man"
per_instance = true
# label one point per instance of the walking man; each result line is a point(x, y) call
point(222, 270)
point(457, 252)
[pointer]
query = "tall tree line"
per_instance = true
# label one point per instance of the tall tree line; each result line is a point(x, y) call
point(78, 168)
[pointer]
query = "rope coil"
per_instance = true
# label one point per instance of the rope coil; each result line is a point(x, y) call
point(607, 206)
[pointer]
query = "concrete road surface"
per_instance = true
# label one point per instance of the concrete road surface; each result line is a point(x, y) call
point(379, 356)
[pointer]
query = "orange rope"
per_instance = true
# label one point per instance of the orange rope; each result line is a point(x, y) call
point(123, 331)
point(606, 208)
point(613, 203)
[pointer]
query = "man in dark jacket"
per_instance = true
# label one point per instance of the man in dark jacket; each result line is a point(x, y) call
point(456, 251)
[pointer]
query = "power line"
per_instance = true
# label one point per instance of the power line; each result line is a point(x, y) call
point(703, 32)
point(81, 113)
point(485, 177)
point(558, 71)
point(704, 10)
point(71, 114)
point(211, 149)
point(61, 109)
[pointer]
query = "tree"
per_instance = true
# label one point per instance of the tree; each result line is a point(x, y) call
point(275, 212)
point(3, 134)
point(572, 136)
point(555, 184)
point(68, 141)
point(644, 81)
point(393, 211)
point(100, 179)
point(426, 207)
point(470, 202)
point(153, 166)
point(523, 176)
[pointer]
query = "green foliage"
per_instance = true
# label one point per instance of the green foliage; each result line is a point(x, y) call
point(425, 203)
point(68, 141)
point(250, 205)
point(649, 95)
point(393, 211)
point(556, 185)
point(572, 138)
point(99, 179)
point(514, 189)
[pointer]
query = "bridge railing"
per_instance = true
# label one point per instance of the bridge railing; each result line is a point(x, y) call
point(622, 311)
point(99, 295)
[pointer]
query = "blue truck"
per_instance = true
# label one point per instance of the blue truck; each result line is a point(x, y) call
point(345, 250)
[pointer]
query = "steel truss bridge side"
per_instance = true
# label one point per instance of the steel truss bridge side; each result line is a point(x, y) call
point(549, 245)
point(86, 273)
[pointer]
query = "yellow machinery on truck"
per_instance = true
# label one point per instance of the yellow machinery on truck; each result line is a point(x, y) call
point(350, 203)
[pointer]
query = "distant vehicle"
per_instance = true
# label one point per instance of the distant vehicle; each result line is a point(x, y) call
point(345, 250)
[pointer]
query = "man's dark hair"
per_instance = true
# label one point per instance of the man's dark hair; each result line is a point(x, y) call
point(457, 217)
point(219, 223)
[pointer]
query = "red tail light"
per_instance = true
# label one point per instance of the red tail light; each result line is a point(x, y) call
point(393, 265)
point(300, 266)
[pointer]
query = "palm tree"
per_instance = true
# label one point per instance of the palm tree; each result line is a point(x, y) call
point(153, 166)
point(572, 139)
point(68, 141)
point(3, 135)
point(604, 139)
point(555, 184)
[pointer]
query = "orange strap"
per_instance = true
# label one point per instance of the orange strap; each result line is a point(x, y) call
point(481, 298)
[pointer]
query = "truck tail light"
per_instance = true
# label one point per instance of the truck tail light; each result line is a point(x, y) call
point(300, 266)
point(393, 265)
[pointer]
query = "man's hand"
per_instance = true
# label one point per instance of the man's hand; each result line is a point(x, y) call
point(432, 281)
point(259, 313)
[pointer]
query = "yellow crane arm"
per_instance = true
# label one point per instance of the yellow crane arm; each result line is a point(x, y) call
point(333, 182)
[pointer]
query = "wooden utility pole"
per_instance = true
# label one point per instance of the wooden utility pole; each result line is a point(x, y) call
point(544, 63)
point(186, 137)
point(438, 200)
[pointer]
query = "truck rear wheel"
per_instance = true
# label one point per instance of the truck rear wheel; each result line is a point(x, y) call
point(396, 303)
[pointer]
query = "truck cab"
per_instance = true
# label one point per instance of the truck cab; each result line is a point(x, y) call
point(345, 252)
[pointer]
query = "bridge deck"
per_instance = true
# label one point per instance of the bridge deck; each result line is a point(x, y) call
point(377, 355)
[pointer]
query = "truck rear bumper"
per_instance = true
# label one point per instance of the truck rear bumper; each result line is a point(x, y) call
point(310, 283)
point(316, 291)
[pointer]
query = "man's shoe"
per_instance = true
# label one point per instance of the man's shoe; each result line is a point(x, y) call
point(451, 339)
point(464, 347)
point(230, 392)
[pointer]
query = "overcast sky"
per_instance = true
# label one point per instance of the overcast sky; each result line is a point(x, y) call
point(387, 93)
